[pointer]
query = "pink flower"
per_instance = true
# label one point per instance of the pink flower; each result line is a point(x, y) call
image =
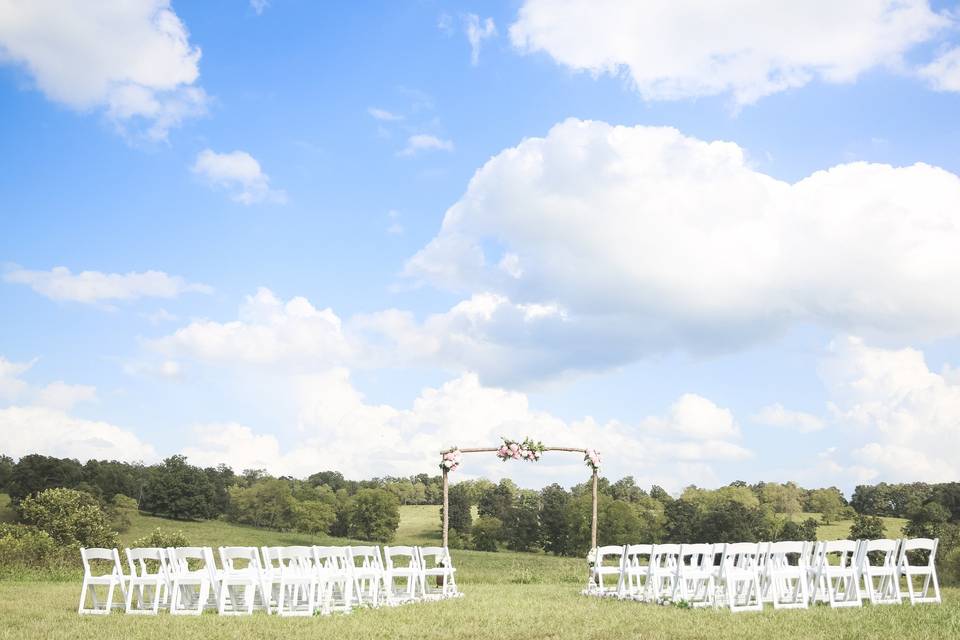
point(514, 447)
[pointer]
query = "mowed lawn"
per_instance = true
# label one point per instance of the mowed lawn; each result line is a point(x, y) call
point(508, 595)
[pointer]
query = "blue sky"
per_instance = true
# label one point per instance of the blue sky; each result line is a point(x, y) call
point(299, 236)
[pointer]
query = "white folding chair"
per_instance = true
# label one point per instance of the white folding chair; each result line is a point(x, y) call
point(695, 575)
point(635, 579)
point(608, 563)
point(838, 570)
point(928, 572)
point(786, 573)
point(189, 585)
point(336, 593)
point(148, 577)
point(436, 563)
point(366, 570)
point(111, 578)
point(270, 572)
point(740, 576)
point(241, 581)
point(402, 563)
point(298, 581)
point(663, 570)
point(879, 572)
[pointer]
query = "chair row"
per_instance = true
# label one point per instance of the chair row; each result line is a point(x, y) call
point(298, 580)
point(745, 576)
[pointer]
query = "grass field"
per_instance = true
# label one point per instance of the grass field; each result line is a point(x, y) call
point(508, 595)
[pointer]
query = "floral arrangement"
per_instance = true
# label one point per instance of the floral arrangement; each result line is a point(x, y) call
point(451, 460)
point(527, 450)
point(592, 459)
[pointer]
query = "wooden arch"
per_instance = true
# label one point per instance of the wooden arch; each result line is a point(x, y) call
point(446, 488)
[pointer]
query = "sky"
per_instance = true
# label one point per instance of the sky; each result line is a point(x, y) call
point(713, 243)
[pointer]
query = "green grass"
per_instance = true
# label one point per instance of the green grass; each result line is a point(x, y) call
point(840, 529)
point(508, 595)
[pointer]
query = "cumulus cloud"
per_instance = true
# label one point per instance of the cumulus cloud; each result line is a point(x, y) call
point(425, 142)
point(53, 432)
point(63, 396)
point(673, 50)
point(11, 386)
point(239, 173)
point(132, 60)
point(94, 286)
point(268, 331)
point(259, 6)
point(776, 415)
point(908, 415)
point(336, 422)
point(477, 31)
point(943, 73)
point(636, 240)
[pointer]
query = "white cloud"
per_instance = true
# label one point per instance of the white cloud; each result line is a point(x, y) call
point(169, 369)
point(750, 49)
point(268, 331)
point(908, 415)
point(776, 415)
point(62, 396)
point(943, 72)
point(55, 433)
point(383, 115)
point(477, 31)
point(336, 424)
point(239, 173)
point(94, 286)
point(259, 6)
point(425, 142)
point(696, 417)
point(641, 240)
point(11, 386)
point(132, 59)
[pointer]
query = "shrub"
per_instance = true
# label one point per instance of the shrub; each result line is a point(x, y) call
point(867, 528)
point(486, 532)
point(23, 547)
point(121, 511)
point(373, 514)
point(160, 538)
point(69, 517)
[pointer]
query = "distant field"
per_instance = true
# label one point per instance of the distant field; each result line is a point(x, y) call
point(508, 596)
point(840, 529)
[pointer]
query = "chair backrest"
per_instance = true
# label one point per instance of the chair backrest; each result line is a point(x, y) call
point(406, 557)
point(98, 553)
point(147, 561)
point(878, 553)
point(240, 559)
point(843, 551)
point(334, 559)
point(179, 560)
point(271, 558)
point(439, 557)
point(365, 557)
point(919, 544)
point(295, 559)
point(637, 555)
point(695, 556)
point(612, 554)
point(788, 553)
point(665, 556)
point(741, 555)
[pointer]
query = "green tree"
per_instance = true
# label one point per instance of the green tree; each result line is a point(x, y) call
point(554, 520)
point(521, 529)
point(34, 473)
point(313, 516)
point(373, 514)
point(782, 498)
point(69, 517)
point(867, 528)
point(179, 490)
point(121, 511)
point(267, 503)
point(497, 501)
point(827, 502)
point(660, 494)
point(6, 471)
point(626, 489)
point(461, 518)
point(486, 532)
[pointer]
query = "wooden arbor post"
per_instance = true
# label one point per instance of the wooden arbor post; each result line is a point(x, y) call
point(446, 491)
